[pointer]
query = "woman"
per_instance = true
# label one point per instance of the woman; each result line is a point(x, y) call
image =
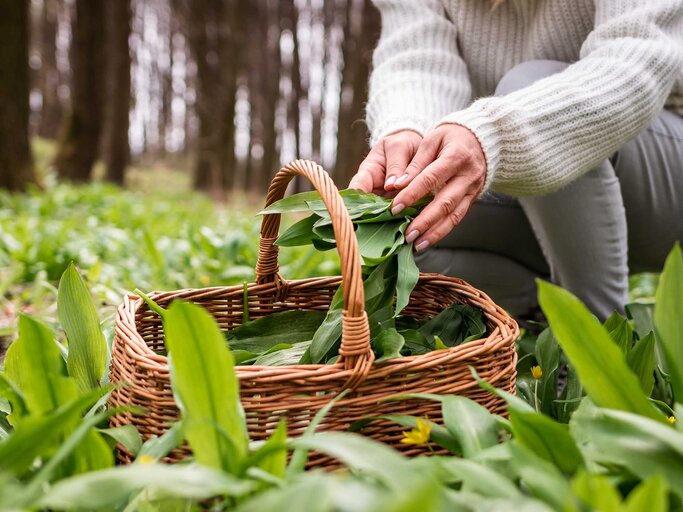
point(573, 153)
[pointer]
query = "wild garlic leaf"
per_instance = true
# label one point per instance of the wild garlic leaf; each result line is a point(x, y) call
point(260, 335)
point(299, 233)
point(455, 324)
point(390, 342)
point(408, 276)
point(285, 356)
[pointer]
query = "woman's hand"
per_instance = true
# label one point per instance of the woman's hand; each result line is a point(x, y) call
point(449, 163)
point(386, 161)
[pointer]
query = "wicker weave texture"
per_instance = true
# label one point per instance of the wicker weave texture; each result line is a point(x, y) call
point(298, 392)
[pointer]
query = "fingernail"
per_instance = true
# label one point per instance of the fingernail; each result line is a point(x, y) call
point(410, 238)
point(422, 246)
point(390, 181)
point(401, 179)
point(398, 209)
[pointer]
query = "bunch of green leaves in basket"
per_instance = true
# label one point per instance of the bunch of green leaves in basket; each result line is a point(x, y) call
point(389, 276)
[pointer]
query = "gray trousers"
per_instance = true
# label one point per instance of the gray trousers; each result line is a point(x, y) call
point(624, 216)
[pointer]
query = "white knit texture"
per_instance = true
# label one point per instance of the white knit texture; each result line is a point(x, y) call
point(434, 57)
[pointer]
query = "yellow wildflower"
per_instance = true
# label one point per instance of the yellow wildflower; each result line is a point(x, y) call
point(419, 435)
point(146, 459)
point(671, 419)
point(204, 279)
point(536, 372)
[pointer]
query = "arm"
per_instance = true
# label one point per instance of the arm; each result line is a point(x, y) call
point(417, 41)
point(542, 137)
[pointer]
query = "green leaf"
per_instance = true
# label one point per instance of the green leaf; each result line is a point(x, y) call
point(13, 395)
point(329, 332)
point(596, 492)
point(87, 348)
point(294, 203)
point(300, 233)
point(600, 364)
point(651, 495)
point(37, 435)
point(125, 435)
point(642, 361)
point(541, 478)
point(642, 316)
point(456, 324)
point(547, 439)
point(668, 318)
point(290, 327)
point(547, 353)
point(203, 377)
point(471, 424)
point(34, 363)
point(288, 355)
point(111, 487)
point(408, 276)
point(620, 331)
point(390, 343)
point(479, 478)
point(374, 240)
point(643, 446)
point(361, 454)
point(159, 447)
point(275, 450)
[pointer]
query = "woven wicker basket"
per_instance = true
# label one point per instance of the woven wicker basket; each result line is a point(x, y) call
point(298, 392)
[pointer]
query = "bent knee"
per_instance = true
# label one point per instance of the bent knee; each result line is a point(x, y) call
point(526, 73)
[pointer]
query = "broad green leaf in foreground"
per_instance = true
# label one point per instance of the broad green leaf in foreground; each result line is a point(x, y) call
point(361, 454)
point(479, 477)
point(669, 318)
point(37, 435)
point(547, 439)
point(597, 492)
point(78, 316)
point(203, 376)
point(651, 495)
point(35, 364)
point(110, 487)
point(643, 446)
point(600, 364)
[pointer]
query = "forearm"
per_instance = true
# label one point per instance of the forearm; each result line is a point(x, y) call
point(418, 76)
point(544, 136)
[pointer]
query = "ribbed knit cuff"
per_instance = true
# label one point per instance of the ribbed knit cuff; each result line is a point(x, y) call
point(484, 129)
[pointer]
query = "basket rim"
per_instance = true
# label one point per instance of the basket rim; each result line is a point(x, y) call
point(505, 332)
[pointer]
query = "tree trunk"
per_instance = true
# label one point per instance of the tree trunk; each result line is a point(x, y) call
point(271, 93)
point(359, 42)
point(16, 164)
point(79, 139)
point(52, 109)
point(117, 108)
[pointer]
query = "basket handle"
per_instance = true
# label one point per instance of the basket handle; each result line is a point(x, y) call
point(355, 352)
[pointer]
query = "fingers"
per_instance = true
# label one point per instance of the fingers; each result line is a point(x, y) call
point(370, 175)
point(441, 215)
point(399, 149)
point(426, 153)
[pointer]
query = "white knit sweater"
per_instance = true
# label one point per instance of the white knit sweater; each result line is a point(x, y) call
point(435, 57)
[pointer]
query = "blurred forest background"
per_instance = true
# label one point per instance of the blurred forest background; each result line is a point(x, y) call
point(225, 90)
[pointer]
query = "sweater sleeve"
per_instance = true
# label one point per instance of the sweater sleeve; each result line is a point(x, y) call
point(540, 138)
point(418, 75)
